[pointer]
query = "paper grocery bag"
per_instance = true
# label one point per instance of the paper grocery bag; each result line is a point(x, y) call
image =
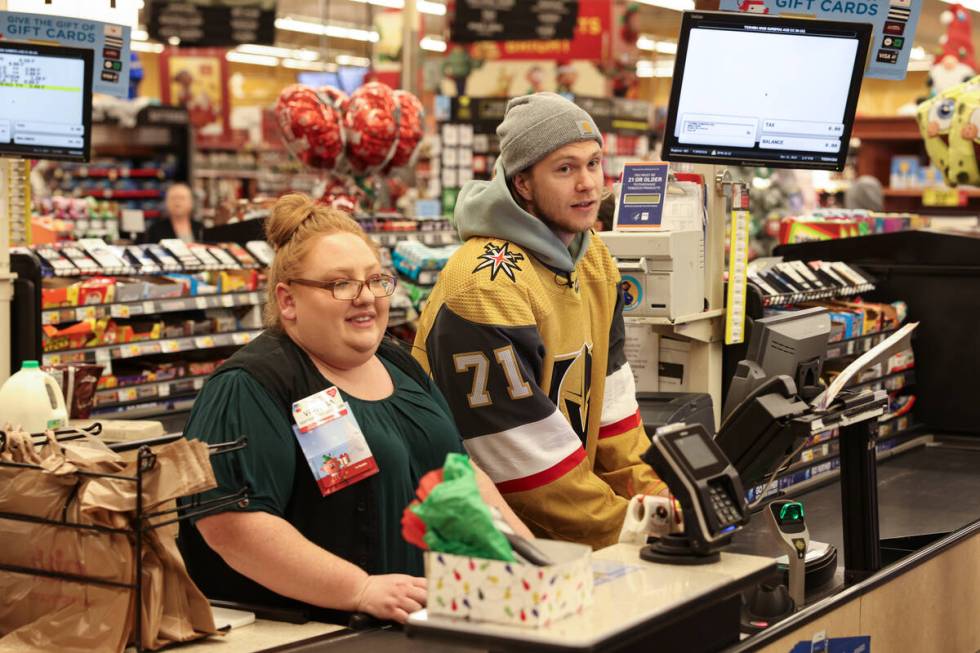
point(44, 614)
point(48, 614)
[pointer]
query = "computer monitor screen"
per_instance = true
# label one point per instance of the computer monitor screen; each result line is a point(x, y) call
point(758, 90)
point(793, 343)
point(46, 101)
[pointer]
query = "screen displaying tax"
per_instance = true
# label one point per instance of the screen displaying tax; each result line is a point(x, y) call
point(767, 90)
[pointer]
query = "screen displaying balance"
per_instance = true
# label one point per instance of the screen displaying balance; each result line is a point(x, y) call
point(41, 104)
point(763, 91)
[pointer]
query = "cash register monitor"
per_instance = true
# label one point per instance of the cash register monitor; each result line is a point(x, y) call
point(46, 112)
point(783, 364)
point(757, 90)
point(793, 343)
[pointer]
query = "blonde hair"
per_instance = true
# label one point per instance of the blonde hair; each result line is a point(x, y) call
point(293, 226)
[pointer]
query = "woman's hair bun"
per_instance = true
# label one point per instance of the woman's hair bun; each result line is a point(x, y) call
point(289, 212)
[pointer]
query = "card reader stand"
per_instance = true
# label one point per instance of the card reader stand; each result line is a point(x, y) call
point(855, 415)
point(763, 429)
point(707, 488)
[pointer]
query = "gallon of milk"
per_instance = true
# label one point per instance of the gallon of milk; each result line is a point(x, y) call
point(32, 399)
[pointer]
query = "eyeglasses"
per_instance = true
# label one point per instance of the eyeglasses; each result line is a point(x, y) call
point(380, 285)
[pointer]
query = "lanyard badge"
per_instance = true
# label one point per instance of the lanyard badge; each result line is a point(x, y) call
point(332, 441)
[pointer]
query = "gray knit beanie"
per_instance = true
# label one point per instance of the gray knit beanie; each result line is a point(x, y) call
point(536, 125)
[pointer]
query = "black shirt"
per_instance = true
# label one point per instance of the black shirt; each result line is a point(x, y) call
point(161, 229)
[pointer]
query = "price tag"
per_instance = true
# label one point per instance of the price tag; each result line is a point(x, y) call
point(411, 236)
point(119, 310)
point(204, 342)
point(128, 394)
point(172, 305)
point(254, 297)
point(241, 338)
point(129, 351)
point(52, 359)
point(50, 318)
point(102, 356)
point(163, 390)
point(201, 302)
point(148, 308)
point(170, 346)
point(943, 197)
point(227, 301)
point(85, 313)
point(198, 384)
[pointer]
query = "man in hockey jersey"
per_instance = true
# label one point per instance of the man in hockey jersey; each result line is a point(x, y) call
point(523, 332)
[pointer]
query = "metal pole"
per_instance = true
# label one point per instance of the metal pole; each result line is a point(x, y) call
point(410, 47)
point(859, 500)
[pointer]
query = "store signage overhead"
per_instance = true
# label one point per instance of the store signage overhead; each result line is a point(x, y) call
point(109, 43)
point(201, 23)
point(508, 20)
point(894, 23)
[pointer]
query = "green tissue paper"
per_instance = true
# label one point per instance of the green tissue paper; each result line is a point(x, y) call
point(456, 518)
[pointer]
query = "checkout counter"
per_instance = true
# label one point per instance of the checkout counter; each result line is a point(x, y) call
point(923, 598)
point(926, 601)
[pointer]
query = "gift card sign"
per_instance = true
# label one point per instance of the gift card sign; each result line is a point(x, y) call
point(894, 24)
point(109, 44)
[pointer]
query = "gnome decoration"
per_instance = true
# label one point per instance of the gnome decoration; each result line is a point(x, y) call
point(566, 75)
point(955, 64)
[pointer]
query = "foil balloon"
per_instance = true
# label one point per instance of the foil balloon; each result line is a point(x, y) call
point(409, 128)
point(310, 127)
point(371, 123)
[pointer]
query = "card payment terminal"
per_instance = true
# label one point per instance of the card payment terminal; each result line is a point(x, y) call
point(705, 484)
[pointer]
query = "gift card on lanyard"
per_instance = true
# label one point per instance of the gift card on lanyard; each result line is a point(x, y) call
point(332, 442)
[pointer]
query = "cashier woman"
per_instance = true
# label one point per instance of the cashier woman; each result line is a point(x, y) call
point(306, 539)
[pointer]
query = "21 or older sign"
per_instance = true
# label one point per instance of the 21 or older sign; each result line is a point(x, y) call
point(641, 196)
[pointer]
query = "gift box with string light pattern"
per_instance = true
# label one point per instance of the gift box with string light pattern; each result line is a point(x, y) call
point(512, 593)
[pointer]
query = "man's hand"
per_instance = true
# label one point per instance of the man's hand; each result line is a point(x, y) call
point(391, 596)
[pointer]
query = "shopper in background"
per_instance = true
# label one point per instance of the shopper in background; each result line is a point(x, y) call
point(607, 211)
point(179, 221)
point(524, 331)
point(291, 546)
point(864, 193)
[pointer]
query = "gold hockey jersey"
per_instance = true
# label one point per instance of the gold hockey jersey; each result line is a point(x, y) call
point(531, 362)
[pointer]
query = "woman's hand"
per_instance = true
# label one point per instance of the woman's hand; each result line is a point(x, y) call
point(391, 596)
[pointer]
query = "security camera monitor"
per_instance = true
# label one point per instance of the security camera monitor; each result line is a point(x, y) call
point(759, 90)
point(46, 101)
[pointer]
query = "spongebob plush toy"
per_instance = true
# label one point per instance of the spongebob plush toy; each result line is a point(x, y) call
point(935, 118)
point(964, 136)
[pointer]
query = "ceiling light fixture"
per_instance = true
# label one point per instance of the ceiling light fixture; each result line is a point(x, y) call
point(674, 5)
point(273, 51)
point(432, 44)
point(423, 6)
point(320, 29)
point(350, 60)
point(254, 59)
point(143, 46)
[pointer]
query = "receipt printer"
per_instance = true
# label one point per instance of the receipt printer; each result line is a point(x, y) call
point(661, 271)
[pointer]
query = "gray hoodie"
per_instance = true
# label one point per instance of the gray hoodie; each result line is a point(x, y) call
point(487, 208)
